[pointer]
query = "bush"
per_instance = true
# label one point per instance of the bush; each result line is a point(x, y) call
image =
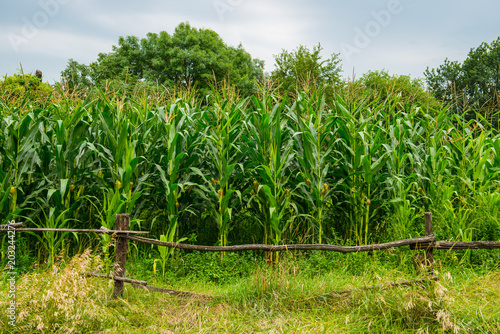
point(24, 86)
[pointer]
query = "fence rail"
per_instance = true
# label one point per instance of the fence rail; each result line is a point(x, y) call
point(457, 245)
point(8, 226)
point(278, 248)
point(19, 228)
point(421, 262)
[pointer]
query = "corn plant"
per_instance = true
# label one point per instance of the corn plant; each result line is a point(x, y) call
point(403, 147)
point(164, 254)
point(314, 136)
point(222, 122)
point(179, 152)
point(111, 206)
point(270, 148)
point(362, 159)
point(52, 241)
point(8, 207)
point(112, 144)
point(258, 136)
point(18, 156)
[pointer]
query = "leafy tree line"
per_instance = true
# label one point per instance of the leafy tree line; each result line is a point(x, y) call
point(303, 69)
point(188, 56)
point(199, 58)
point(473, 84)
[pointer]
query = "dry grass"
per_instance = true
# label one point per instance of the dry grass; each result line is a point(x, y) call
point(59, 299)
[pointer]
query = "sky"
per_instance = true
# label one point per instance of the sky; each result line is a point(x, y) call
point(403, 37)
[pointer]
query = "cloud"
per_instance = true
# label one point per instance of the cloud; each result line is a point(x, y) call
point(50, 51)
point(265, 28)
point(422, 35)
point(62, 44)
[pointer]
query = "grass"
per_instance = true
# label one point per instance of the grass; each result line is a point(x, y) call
point(284, 298)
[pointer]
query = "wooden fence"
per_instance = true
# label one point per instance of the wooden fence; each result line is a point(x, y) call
point(422, 262)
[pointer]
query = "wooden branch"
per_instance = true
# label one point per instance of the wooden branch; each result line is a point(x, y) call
point(6, 227)
point(457, 245)
point(387, 285)
point(144, 285)
point(116, 278)
point(271, 248)
point(79, 230)
point(170, 292)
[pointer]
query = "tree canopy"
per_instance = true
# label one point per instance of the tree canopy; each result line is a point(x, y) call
point(302, 68)
point(188, 56)
point(400, 90)
point(475, 83)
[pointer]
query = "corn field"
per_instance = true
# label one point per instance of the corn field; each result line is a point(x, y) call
point(263, 169)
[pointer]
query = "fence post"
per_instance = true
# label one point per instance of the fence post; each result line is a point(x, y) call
point(429, 231)
point(121, 223)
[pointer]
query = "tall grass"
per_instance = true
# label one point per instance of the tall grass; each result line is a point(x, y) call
point(261, 169)
point(288, 297)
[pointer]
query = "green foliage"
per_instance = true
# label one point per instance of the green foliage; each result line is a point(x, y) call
point(475, 83)
point(401, 91)
point(25, 256)
point(164, 253)
point(76, 76)
point(223, 155)
point(270, 147)
point(189, 56)
point(315, 135)
point(52, 241)
point(304, 69)
point(22, 87)
point(206, 266)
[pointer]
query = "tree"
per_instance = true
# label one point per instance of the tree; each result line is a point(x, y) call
point(401, 91)
point(76, 75)
point(302, 69)
point(473, 84)
point(189, 56)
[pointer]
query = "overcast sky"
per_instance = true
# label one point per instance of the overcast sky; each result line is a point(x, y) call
point(401, 36)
